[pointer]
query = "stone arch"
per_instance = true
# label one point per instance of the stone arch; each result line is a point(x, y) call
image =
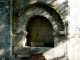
point(41, 10)
point(46, 7)
point(47, 11)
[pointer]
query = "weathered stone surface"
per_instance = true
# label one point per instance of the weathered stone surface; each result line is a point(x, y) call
point(23, 10)
point(49, 53)
point(28, 50)
point(5, 49)
point(2, 50)
point(61, 6)
point(2, 4)
point(74, 30)
point(2, 39)
point(8, 50)
point(64, 58)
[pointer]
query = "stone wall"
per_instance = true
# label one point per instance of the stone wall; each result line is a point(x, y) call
point(74, 30)
point(51, 9)
point(68, 11)
point(26, 9)
point(70, 47)
point(5, 33)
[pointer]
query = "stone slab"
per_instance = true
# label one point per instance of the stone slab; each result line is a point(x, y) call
point(49, 53)
point(5, 49)
point(39, 44)
point(29, 50)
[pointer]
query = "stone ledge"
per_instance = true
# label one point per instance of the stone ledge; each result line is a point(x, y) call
point(49, 53)
point(28, 50)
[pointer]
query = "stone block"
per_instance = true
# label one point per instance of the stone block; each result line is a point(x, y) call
point(2, 50)
point(2, 26)
point(61, 32)
point(8, 50)
point(7, 36)
point(55, 42)
point(2, 39)
point(8, 40)
point(2, 4)
point(39, 44)
point(29, 50)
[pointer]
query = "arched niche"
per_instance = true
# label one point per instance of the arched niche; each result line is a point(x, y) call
point(37, 9)
point(40, 32)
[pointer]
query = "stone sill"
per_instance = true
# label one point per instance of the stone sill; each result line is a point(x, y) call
point(29, 50)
